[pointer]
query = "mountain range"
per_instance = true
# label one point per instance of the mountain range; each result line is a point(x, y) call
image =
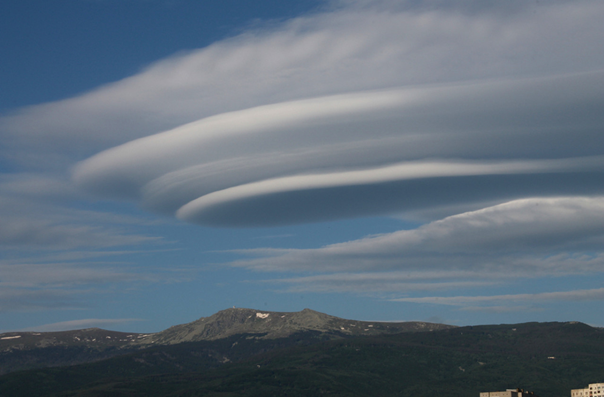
point(28, 350)
point(250, 352)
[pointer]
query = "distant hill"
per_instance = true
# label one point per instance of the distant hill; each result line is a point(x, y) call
point(93, 337)
point(547, 358)
point(29, 350)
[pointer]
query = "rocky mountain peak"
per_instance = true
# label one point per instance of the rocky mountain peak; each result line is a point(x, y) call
point(271, 324)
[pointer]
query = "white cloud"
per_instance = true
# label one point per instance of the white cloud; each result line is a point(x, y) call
point(367, 153)
point(537, 236)
point(345, 49)
point(487, 119)
point(300, 121)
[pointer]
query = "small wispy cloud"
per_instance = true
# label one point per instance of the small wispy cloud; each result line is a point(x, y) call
point(67, 280)
point(48, 274)
point(278, 236)
point(502, 309)
point(18, 300)
point(32, 223)
point(78, 324)
point(381, 282)
point(573, 295)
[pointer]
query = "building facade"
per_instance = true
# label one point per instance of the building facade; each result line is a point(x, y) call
point(592, 390)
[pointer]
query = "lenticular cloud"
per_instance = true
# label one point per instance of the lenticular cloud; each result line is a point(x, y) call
point(407, 149)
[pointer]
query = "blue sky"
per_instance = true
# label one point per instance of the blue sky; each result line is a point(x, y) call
point(162, 160)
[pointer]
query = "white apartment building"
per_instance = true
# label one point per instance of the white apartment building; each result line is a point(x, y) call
point(593, 390)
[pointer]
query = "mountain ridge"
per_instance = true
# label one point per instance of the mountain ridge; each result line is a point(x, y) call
point(273, 324)
point(29, 350)
point(549, 358)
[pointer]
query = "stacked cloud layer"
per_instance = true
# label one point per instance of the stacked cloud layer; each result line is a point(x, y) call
point(427, 149)
point(483, 120)
point(350, 47)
